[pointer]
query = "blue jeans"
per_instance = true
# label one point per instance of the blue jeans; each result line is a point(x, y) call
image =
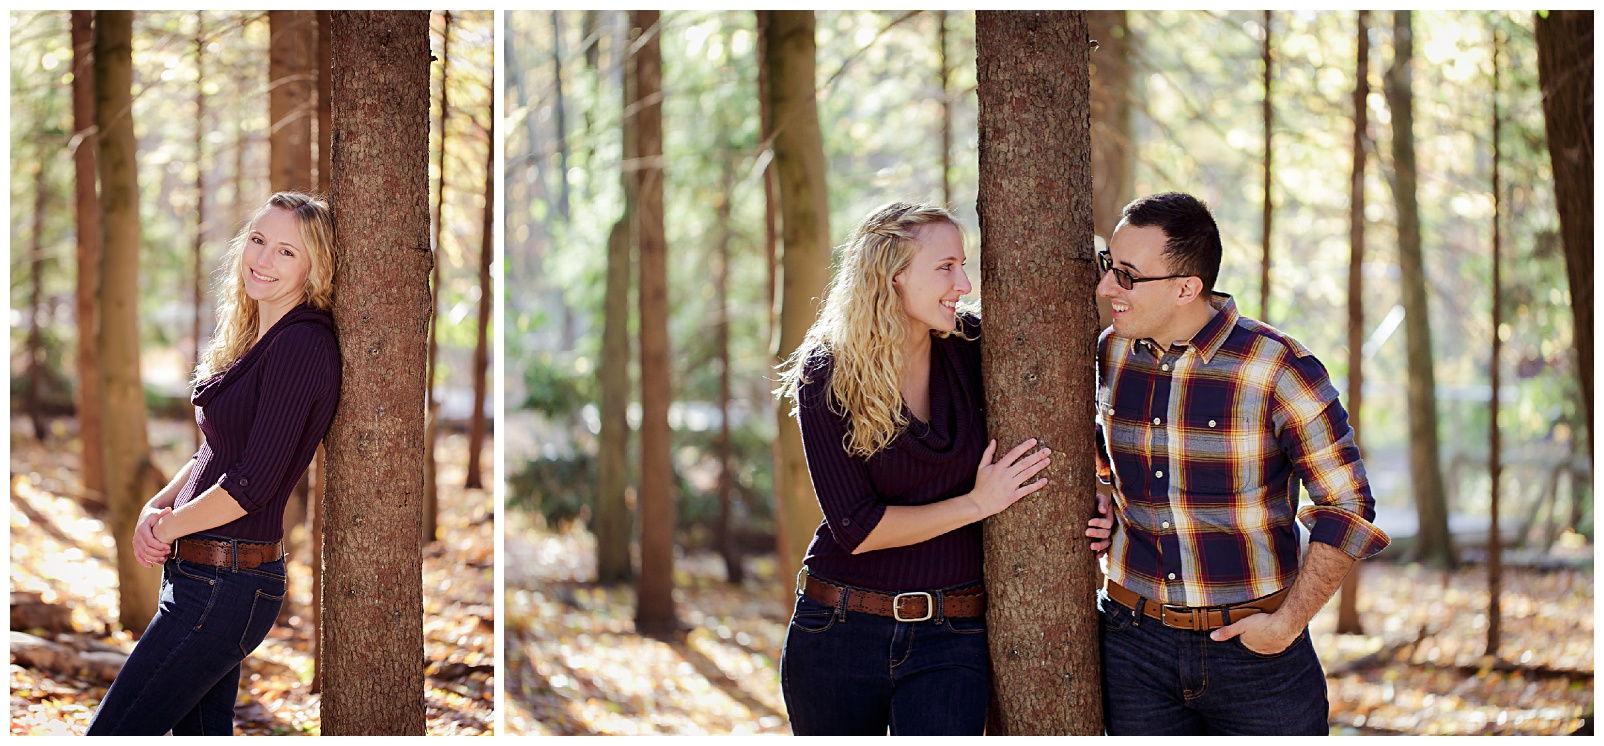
point(851, 673)
point(1158, 680)
point(184, 674)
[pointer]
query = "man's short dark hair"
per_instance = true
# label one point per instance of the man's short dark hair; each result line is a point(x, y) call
point(1193, 247)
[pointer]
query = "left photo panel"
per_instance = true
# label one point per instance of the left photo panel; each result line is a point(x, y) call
point(251, 370)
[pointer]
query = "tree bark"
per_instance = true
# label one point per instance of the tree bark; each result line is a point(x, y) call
point(197, 269)
point(325, 129)
point(1036, 180)
point(35, 339)
point(733, 571)
point(612, 459)
point(1494, 457)
point(1113, 150)
point(790, 61)
point(560, 109)
point(1565, 71)
point(946, 109)
point(87, 252)
point(654, 611)
point(481, 348)
point(431, 504)
point(372, 652)
point(124, 443)
point(314, 497)
point(1433, 543)
point(771, 202)
point(290, 101)
point(1348, 622)
point(1269, 151)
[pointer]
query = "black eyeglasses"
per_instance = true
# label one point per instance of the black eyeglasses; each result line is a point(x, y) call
point(1105, 263)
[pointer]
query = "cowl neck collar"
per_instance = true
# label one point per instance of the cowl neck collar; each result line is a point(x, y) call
point(305, 313)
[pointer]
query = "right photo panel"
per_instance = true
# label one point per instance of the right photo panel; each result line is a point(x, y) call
point(1048, 372)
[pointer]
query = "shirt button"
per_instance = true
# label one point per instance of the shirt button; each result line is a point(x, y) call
point(1159, 474)
point(1165, 366)
point(1172, 576)
point(1156, 420)
point(1211, 423)
point(1166, 524)
point(244, 482)
point(846, 521)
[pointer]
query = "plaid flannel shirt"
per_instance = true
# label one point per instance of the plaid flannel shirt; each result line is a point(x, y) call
point(1204, 439)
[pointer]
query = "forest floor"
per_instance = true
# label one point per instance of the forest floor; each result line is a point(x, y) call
point(576, 666)
point(66, 556)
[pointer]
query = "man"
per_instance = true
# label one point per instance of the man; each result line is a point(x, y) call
point(1206, 417)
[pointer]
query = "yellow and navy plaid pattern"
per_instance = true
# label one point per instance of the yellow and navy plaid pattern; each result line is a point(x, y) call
point(1204, 439)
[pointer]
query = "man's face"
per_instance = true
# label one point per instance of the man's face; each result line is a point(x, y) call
point(1148, 308)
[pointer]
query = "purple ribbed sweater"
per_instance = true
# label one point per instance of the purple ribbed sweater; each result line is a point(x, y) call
point(926, 463)
point(263, 418)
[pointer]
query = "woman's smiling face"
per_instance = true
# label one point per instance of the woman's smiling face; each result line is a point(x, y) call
point(275, 262)
point(935, 278)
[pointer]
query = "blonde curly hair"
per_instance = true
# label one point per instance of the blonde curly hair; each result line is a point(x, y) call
point(237, 319)
point(862, 325)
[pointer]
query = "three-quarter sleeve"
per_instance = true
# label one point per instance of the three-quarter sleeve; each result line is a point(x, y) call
point(301, 366)
point(840, 481)
point(1312, 429)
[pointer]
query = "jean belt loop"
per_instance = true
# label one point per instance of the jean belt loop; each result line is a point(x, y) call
point(233, 550)
point(941, 607)
point(1140, 602)
point(841, 604)
point(1225, 616)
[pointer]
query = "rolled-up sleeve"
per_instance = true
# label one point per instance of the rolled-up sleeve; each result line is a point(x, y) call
point(300, 367)
point(1312, 429)
point(840, 481)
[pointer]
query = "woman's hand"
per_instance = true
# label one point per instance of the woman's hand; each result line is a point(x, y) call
point(998, 485)
point(149, 550)
point(1101, 527)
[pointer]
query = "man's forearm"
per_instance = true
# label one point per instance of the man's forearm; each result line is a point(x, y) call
point(1324, 567)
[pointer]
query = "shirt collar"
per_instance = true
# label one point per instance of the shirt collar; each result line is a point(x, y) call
point(1212, 336)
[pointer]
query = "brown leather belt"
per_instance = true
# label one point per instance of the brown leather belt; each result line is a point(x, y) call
point(1196, 618)
point(231, 554)
point(903, 607)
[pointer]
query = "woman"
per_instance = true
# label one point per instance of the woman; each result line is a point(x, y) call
point(264, 396)
point(889, 625)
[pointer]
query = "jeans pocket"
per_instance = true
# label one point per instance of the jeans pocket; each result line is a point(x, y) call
point(190, 593)
point(1116, 618)
point(811, 616)
point(1296, 641)
point(264, 611)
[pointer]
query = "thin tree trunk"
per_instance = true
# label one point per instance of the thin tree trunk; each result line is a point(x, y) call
point(372, 654)
point(612, 460)
point(198, 271)
point(1269, 203)
point(87, 252)
point(946, 110)
point(805, 212)
point(771, 203)
point(1035, 170)
point(314, 497)
point(481, 348)
point(654, 611)
point(124, 442)
point(733, 571)
point(325, 130)
point(1495, 568)
point(561, 110)
point(1565, 71)
point(1113, 154)
point(431, 483)
point(290, 97)
point(1348, 622)
point(1433, 543)
point(35, 341)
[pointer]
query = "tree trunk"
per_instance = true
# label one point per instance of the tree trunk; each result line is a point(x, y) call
point(1348, 622)
point(1036, 172)
point(946, 109)
point(372, 653)
point(733, 571)
point(771, 203)
point(1565, 70)
point(1495, 568)
point(560, 109)
point(805, 268)
point(431, 502)
point(1269, 203)
point(1433, 544)
point(314, 497)
point(481, 348)
point(87, 207)
point(1113, 151)
point(612, 459)
point(36, 340)
point(654, 611)
point(198, 270)
point(290, 100)
point(124, 443)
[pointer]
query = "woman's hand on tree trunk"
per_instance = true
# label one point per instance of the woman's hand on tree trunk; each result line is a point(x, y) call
point(998, 485)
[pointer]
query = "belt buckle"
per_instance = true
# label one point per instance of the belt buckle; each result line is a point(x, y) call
point(930, 606)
